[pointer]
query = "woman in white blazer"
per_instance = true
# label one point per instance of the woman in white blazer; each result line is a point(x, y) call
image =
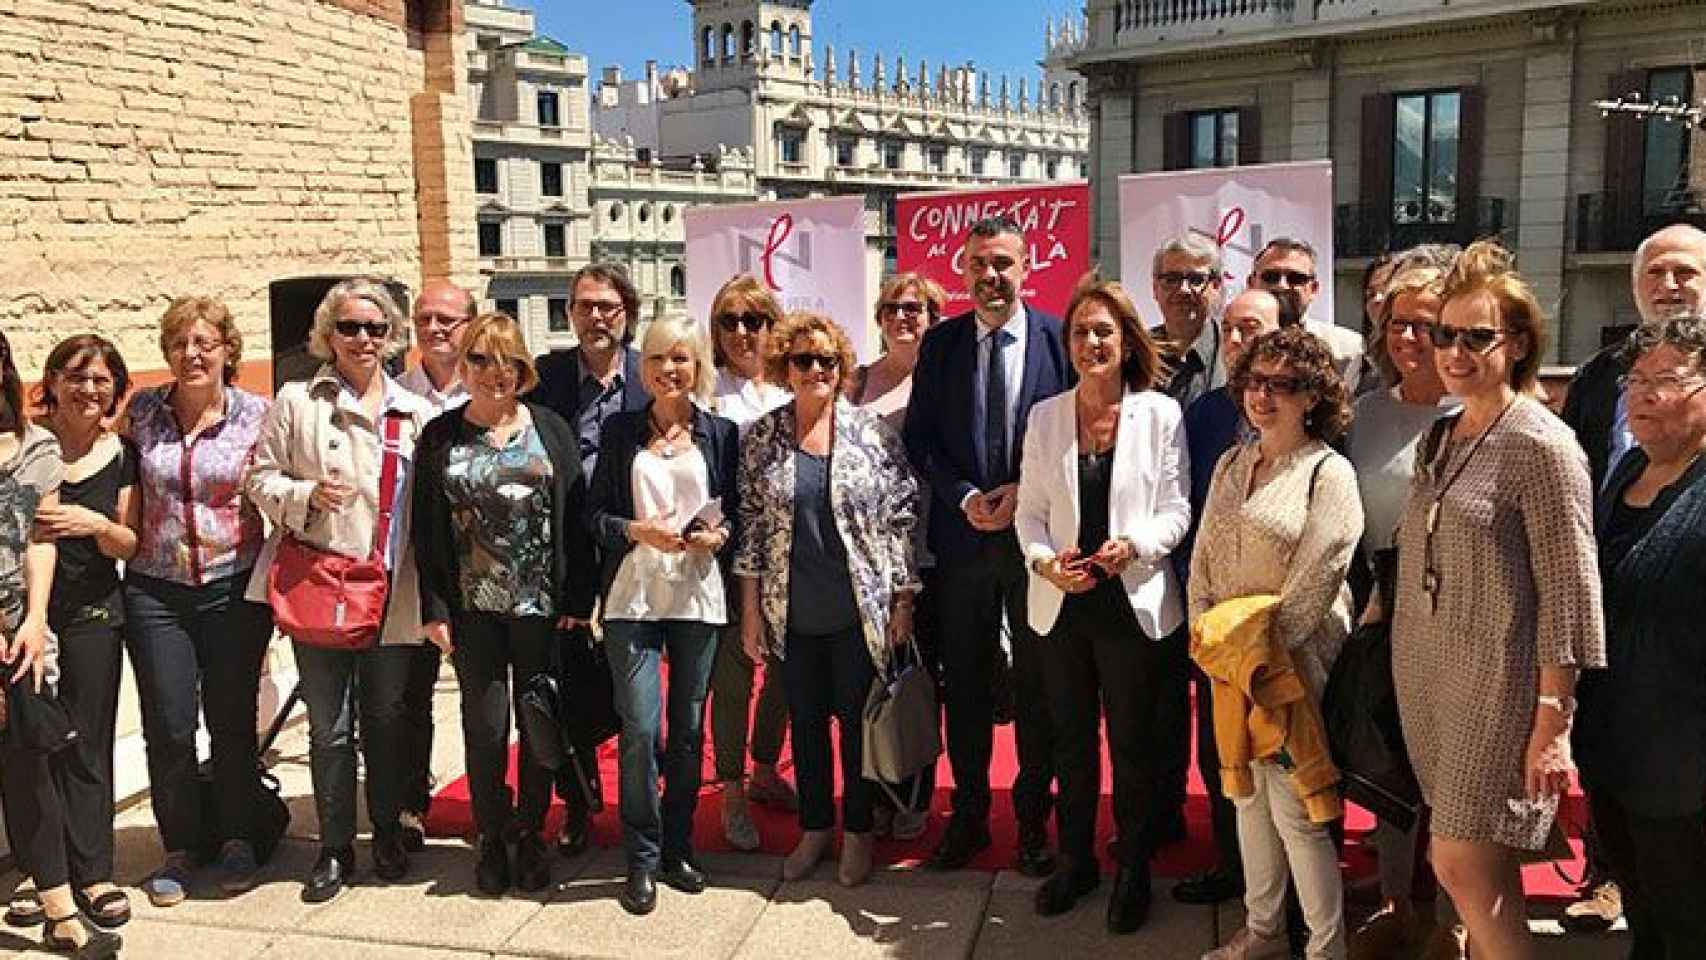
point(1103, 500)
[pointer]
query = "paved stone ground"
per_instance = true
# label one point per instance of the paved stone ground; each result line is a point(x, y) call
point(748, 913)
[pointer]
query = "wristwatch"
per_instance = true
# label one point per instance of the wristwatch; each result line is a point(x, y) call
point(1566, 706)
point(1039, 565)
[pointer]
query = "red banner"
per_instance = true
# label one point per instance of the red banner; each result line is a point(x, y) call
point(932, 230)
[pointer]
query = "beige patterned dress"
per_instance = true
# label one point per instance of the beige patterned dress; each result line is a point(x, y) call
point(1518, 590)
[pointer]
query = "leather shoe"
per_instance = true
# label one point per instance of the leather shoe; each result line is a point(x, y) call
point(683, 875)
point(639, 894)
point(390, 855)
point(962, 841)
point(1210, 886)
point(491, 874)
point(1035, 859)
point(576, 831)
point(1128, 907)
point(1060, 892)
point(330, 873)
point(532, 869)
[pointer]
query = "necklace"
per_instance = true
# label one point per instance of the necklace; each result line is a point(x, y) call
point(1430, 570)
point(667, 451)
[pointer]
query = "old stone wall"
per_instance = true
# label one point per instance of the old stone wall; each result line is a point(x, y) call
point(152, 148)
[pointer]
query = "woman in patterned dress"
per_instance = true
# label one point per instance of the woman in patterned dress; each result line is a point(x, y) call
point(1497, 601)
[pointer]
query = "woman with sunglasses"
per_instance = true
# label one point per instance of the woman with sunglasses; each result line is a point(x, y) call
point(505, 560)
point(1497, 601)
point(742, 315)
point(909, 306)
point(826, 572)
point(1282, 517)
point(319, 475)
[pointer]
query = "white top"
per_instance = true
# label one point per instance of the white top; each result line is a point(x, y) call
point(743, 400)
point(651, 584)
point(416, 381)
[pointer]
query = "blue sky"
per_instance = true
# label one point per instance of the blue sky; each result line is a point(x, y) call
point(1001, 35)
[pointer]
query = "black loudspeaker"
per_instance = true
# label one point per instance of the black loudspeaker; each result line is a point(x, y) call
point(292, 303)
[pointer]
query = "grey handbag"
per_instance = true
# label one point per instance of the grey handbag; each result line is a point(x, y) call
point(903, 731)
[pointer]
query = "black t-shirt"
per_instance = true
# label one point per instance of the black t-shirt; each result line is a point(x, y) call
point(86, 579)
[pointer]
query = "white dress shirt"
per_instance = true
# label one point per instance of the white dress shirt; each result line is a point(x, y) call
point(416, 381)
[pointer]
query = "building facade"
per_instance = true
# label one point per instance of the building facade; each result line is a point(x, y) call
point(1442, 122)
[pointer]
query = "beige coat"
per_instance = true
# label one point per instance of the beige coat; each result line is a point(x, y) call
point(315, 429)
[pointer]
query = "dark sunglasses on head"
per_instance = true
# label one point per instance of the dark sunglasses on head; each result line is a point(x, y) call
point(1281, 386)
point(377, 329)
point(804, 362)
point(749, 322)
point(1292, 278)
point(1474, 339)
point(906, 308)
point(1192, 278)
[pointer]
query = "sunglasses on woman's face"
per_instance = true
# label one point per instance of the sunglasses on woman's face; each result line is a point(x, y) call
point(910, 309)
point(1474, 339)
point(751, 323)
point(1277, 386)
point(350, 329)
point(482, 362)
point(806, 362)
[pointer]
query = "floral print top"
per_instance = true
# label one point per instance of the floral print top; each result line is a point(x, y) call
point(873, 496)
point(197, 526)
point(500, 515)
point(33, 474)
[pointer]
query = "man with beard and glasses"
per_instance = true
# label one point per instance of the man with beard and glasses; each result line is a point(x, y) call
point(977, 377)
point(1288, 263)
point(584, 385)
point(1187, 275)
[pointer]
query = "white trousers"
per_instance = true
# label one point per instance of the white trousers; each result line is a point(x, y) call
point(1277, 840)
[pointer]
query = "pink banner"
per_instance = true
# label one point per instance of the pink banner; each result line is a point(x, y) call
point(932, 230)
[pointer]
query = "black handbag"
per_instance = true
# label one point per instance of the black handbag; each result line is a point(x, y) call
point(1360, 711)
point(36, 721)
point(269, 815)
point(569, 712)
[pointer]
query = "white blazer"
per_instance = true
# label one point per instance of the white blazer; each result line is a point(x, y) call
point(1148, 503)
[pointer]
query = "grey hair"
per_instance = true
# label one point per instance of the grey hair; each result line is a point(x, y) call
point(1683, 329)
point(1192, 245)
point(357, 288)
point(1437, 256)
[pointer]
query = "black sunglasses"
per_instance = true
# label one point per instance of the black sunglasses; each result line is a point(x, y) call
point(377, 329)
point(485, 361)
point(906, 308)
point(1274, 386)
point(804, 362)
point(1292, 278)
point(1192, 278)
point(749, 322)
point(1474, 339)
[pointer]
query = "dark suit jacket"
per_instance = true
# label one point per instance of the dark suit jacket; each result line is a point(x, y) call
point(941, 422)
point(1590, 408)
point(559, 383)
point(610, 502)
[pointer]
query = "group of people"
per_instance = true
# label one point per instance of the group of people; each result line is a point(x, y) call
point(1070, 520)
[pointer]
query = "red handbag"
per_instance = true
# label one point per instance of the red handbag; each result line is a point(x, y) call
point(325, 599)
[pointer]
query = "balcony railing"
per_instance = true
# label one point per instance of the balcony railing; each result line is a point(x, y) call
point(1364, 230)
point(1140, 21)
point(1151, 23)
point(1609, 223)
point(532, 264)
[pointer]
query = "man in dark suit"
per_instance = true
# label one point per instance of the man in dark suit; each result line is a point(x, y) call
point(977, 377)
point(584, 385)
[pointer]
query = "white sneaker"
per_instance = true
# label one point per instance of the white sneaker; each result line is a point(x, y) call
point(1246, 944)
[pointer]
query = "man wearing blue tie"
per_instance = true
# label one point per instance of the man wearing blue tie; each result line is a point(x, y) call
point(978, 375)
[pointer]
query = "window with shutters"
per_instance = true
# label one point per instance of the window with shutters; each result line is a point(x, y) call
point(1425, 135)
point(1664, 174)
point(1214, 139)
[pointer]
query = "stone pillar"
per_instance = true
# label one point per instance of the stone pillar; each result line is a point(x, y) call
point(1542, 203)
point(1112, 108)
point(1311, 116)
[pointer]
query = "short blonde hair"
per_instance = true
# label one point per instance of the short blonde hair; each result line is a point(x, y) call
point(666, 332)
point(499, 336)
point(186, 312)
point(1427, 280)
point(742, 292)
point(357, 288)
point(804, 324)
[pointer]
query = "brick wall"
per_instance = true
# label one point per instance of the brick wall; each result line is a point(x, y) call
point(154, 149)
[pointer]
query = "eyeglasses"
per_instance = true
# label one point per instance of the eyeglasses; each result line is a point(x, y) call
point(1195, 279)
point(449, 321)
point(751, 323)
point(201, 345)
point(806, 362)
point(910, 309)
point(1280, 386)
point(1420, 329)
point(1474, 339)
point(350, 329)
point(1665, 386)
point(1292, 278)
point(482, 362)
point(600, 308)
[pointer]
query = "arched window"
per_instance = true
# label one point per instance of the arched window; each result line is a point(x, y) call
point(677, 281)
point(776, 39)
point(645, 212)
point(1054, 95)
point(747, 39)
point(794, 45)
point(728, 43)
point(709, 45)
point(1072, 95)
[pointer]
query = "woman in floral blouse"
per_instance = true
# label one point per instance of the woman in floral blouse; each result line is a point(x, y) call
point(825, 561)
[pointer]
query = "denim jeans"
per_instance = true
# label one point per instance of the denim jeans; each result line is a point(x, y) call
point(198, 650)
point(830, 677)
point(488, 650)
point(336, 685)
point(635, 649)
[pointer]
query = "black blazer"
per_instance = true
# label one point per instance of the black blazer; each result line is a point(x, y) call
point(435, 543)
point(610, 502)
point(1590, 408)
point(941, 422)
point(560, 377)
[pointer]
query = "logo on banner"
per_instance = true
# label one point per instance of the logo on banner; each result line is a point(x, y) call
point(1225, 235)
point(771, 250)
point(941, 227)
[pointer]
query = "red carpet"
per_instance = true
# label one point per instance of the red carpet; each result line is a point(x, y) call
point(452, 815)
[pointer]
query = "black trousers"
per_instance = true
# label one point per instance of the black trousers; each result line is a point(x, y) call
point(91, 656)
point(422, 677)
point(198, 650)
point(494, 658)
point(1099, 660)
point(974, 594)
point(828, 677)
point(35, 815)
point(1660, 864)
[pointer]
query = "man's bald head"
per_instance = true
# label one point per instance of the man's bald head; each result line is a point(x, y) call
point(442, 312)
point(1669, 271)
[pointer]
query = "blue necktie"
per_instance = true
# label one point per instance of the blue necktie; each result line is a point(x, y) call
point(995, 412)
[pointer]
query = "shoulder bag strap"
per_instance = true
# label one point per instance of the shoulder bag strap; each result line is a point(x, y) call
point(393, 452)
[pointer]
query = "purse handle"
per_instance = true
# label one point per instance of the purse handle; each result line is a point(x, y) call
point(393, 453)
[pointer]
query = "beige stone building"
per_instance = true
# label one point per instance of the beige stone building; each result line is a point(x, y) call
point(153, 150)
point(1443, 123)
